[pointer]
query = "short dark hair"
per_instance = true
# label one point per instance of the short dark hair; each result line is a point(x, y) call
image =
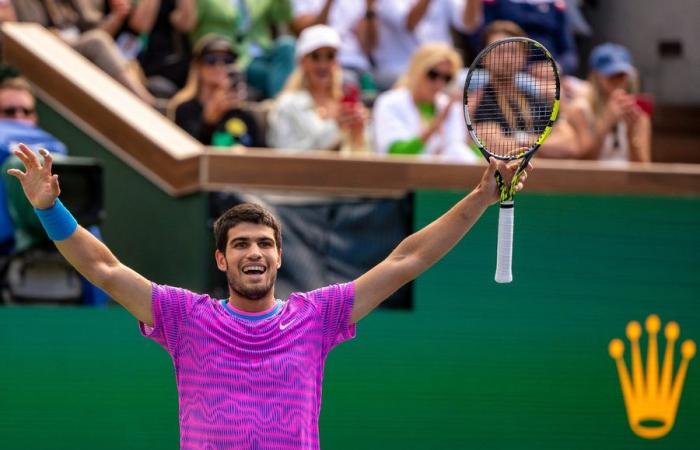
point(245, 212)
point(16, 83)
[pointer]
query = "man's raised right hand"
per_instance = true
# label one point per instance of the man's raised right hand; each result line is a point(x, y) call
point(39, 184)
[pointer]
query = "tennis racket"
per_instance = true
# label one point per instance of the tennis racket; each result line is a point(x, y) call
point(511, 101)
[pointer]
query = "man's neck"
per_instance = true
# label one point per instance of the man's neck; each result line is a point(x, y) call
point(252, 306)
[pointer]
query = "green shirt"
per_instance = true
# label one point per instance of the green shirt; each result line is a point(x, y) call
point(249, 24)
point(414, 146)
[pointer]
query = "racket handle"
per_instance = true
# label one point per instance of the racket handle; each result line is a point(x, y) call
point(505, 243)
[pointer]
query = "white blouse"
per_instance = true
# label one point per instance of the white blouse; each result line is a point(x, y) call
point(396, 118)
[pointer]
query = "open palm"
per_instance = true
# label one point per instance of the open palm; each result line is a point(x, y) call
point(39, 184)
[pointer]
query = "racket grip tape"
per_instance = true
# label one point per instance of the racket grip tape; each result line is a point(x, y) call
point(504, 255)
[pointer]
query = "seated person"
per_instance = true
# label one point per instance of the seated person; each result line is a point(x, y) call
point(419, 115)
point(312, 112)
point(19, 227)
point(18, 123)
point(505, 122)
point(355, 22)
point(211, 105)
point(609, 123)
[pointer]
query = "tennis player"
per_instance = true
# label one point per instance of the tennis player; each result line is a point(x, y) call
point(248, 368)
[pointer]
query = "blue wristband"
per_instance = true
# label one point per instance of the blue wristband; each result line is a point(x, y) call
point(58, 222)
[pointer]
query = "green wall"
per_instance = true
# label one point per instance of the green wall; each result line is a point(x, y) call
point(476, 365)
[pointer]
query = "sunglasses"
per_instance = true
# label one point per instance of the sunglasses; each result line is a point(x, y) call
point(317, 55)
point(14, 110)
point(434, 75)
point(212, 59)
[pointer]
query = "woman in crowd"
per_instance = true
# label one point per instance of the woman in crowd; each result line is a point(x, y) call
point(419, 115)
point(211, 105)
point(608, 123)
point(313, 112)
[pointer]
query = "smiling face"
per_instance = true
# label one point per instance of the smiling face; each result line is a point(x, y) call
point(250, 260)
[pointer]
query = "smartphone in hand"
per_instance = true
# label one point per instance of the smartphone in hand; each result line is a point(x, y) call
point(351, 94)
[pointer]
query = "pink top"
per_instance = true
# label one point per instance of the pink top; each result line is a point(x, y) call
point(250, 381)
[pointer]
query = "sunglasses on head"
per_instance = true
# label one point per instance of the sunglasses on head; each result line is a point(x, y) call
point(212, 59)
point(14, 110)
point(319, 55)
point(434, 75)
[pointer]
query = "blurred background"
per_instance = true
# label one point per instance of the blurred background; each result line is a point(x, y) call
point(344, 118)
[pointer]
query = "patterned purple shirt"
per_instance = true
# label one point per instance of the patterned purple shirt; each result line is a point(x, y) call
point(250, 381)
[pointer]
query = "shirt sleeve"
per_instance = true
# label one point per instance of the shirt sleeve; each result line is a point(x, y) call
point(171, 307)
point(334, 304)
point(456, 11)
point(395, 12)
point(390, 123)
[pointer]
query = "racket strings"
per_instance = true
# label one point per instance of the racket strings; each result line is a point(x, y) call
point(512, 90)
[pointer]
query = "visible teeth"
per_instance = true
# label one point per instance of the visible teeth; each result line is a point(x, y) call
point(253, 268)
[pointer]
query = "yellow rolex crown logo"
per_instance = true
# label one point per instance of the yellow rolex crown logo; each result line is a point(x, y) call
point(651, 396)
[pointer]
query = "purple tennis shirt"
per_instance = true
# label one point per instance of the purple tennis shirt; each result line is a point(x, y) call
point(250, 381)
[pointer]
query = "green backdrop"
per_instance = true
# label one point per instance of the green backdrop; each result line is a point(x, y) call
point(475, 365)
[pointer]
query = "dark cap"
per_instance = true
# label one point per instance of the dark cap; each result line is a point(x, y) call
point(210, 43)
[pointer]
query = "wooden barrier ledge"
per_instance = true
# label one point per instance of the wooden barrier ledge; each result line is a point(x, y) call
point(177, 163)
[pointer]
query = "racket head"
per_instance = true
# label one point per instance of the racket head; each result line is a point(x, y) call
point(511, 98)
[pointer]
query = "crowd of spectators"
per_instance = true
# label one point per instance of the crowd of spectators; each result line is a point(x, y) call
point(352, 76)
point(345, 75)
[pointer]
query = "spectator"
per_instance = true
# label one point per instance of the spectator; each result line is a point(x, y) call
point(78, 26)
point(543, 20)
point(311, 112)
point(17, 119)
point(20, 230)
point(405, 25)
point(509, 122)
point(155, 32)
point(608, 123)
point(355, 22)
point(418, 116)
point(210, 106)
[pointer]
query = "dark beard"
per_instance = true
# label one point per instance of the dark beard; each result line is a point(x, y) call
point(251, 293)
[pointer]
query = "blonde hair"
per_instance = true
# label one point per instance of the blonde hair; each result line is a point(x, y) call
point(428, 56)
point(511, 30)
point(187, 93)
point(595, 97)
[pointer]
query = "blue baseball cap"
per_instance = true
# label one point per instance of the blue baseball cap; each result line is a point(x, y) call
point(610, 59)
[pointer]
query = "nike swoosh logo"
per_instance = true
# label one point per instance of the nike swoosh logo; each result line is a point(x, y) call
point(285, 325)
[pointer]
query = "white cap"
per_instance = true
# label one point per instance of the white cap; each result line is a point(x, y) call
point(316, 37)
